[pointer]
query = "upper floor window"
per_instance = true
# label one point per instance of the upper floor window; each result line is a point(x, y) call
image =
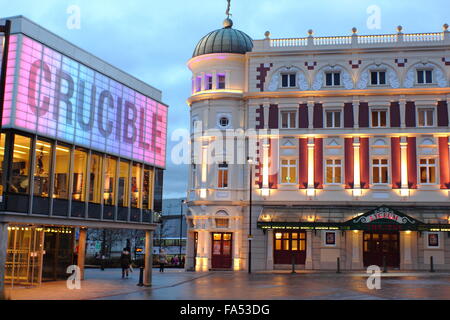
point(220, 81)
point(379, 118)
point(288, 80)
point(333, 171)
point(377, 78)
point(198, 84)
point(380, 171)
point(288, 171)
point(288, 119)
point(333, 78)
point(333, 119)
point(223, 176)
point(208, 82)
point(425, 117)
point(427, 170)
point(424, 76)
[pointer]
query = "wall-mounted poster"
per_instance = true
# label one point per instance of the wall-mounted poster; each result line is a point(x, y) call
point(330, 238)
point(433, 240)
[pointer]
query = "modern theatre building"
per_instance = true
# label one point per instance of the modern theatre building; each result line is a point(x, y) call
point(82, 146)
point(347, 139)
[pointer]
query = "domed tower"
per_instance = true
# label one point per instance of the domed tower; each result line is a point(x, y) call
point(216, 185)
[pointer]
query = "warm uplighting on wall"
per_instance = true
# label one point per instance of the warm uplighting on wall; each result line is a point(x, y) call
point(310, 218)
point(404, 192)
point(266, 217)
point(357, 192)
point(203, 193)
point(408, 231)
point(237, 264)
point(310, 192)
point(265, 192)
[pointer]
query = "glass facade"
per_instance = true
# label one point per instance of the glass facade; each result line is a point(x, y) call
point(45, 177)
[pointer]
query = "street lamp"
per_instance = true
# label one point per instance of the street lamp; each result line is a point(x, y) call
point(181, 224)
point(6, 30)
point(250, 163)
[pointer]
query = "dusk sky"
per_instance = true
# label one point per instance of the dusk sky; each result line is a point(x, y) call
point(152, 40)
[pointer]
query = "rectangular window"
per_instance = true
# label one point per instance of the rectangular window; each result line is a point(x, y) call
point(288, 119)
point(62, 168)
point(20, 169)
point(288, 80)
point(208, 82)
point(377, 78)
point(79, 175)
point(220, 81)
point(221, 223)
point(333, 119)
point(42, 168)
point(136, 179)
point(95, 178)
point(333, 79)
point(222, 176)
point(288, 171)
point(123, 194)
point(380, 169)
point(424, 76)
point(109, 188)
point(333, 171)
point(147, 189)
point(425, 117)
point(379, 118)
point(198, 84)
point(427, 170)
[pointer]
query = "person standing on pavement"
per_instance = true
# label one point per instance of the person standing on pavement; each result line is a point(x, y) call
point(125, 262)
point(162, 260)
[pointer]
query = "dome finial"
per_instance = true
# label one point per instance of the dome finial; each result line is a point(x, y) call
point(228, 9)
point(228, 23)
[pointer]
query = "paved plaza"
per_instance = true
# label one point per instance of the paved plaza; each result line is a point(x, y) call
point(180, 285)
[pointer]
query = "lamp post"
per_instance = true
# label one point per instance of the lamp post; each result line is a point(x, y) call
point(6, 30)
point(250, 162)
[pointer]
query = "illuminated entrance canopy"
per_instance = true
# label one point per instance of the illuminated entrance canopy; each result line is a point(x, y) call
point(60, 98)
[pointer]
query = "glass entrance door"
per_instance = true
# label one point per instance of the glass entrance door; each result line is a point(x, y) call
point(381, 244)
point(24, 256)
point(288, 245)
point(221, 250)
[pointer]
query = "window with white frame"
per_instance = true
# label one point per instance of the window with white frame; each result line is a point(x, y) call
point(333, 78)
point(288, 170)
point(288, 80)
point(333, 168)
point(333, 118)
point(198, 83)
point(208, 82)
point(222, 182)
point(220, 81)
point(427, 170)
point(424, 76)
point(380, 171)
point(288, 119)
point(378, 77)
point(425, 117)
point(379, 118)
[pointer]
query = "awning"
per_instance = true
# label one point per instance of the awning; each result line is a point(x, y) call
point(380, 219)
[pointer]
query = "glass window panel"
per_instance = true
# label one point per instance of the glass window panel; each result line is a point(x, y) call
point(79, 175)
point(278, 235)
point(384, 172)
point(216, 247)
point(337, 119)
point(294, 235)
point(302, 235)
point(42, 168)
point(302, 245)
point(217, 236)
point(292, 80)
point(110, 181)
point(329, 80)
point(226, 248)
point(432, 175)
point(284, 80)
point(277, 244)
point(329, 175)
point(329, 119)
point(294, 245)
point(62, 171)
point(285, 235)
point(20, 169)
point(226, 236)
point(374, 77)
point(374, 119)
point(383, 118)
point(382, 75)
point(376, 175)
point(285, 244)
point(123, 195)
point(423, 174)
point(95, 178)
point(337, 177)
point(429, 76)
point(136, 179)
point(337, 79)
point(420, 76)
point(292, 120)
point(147, 190)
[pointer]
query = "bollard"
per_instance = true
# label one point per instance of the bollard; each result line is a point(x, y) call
point(431, 264)
point(293, 264)
point(384, 265)
point(141, 277)
point(338, 261)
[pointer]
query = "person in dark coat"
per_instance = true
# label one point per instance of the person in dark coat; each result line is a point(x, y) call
point(125, 262)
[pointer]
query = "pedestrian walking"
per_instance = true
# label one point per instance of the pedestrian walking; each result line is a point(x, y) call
point(162, 260)
point(102, 262)
point(125, 262)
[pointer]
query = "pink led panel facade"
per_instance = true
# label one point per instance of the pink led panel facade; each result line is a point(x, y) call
point(60, 98)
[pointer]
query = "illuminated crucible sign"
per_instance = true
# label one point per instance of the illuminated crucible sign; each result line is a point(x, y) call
point(60, 98)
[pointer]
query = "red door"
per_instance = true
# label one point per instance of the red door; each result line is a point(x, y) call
point(381, 244)
point(288, 244)
point(221, 250)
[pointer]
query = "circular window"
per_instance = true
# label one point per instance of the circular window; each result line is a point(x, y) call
point(224, 122)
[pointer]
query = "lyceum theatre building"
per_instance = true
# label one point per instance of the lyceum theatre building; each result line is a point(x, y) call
point(82, 145)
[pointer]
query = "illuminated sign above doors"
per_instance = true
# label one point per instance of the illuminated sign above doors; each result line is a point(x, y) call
point(55, 96)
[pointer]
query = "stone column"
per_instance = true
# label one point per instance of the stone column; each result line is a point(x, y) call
point(269, 265)
point(356, 114)
point(236, 254)
point(310, 114)
point(402, 103)
point(3, 248)
point(190, 252)
point(309, 260)
point(356, 250)
point(82, 251)
point(266, 115)
point(406, 258)
point(148, 262)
